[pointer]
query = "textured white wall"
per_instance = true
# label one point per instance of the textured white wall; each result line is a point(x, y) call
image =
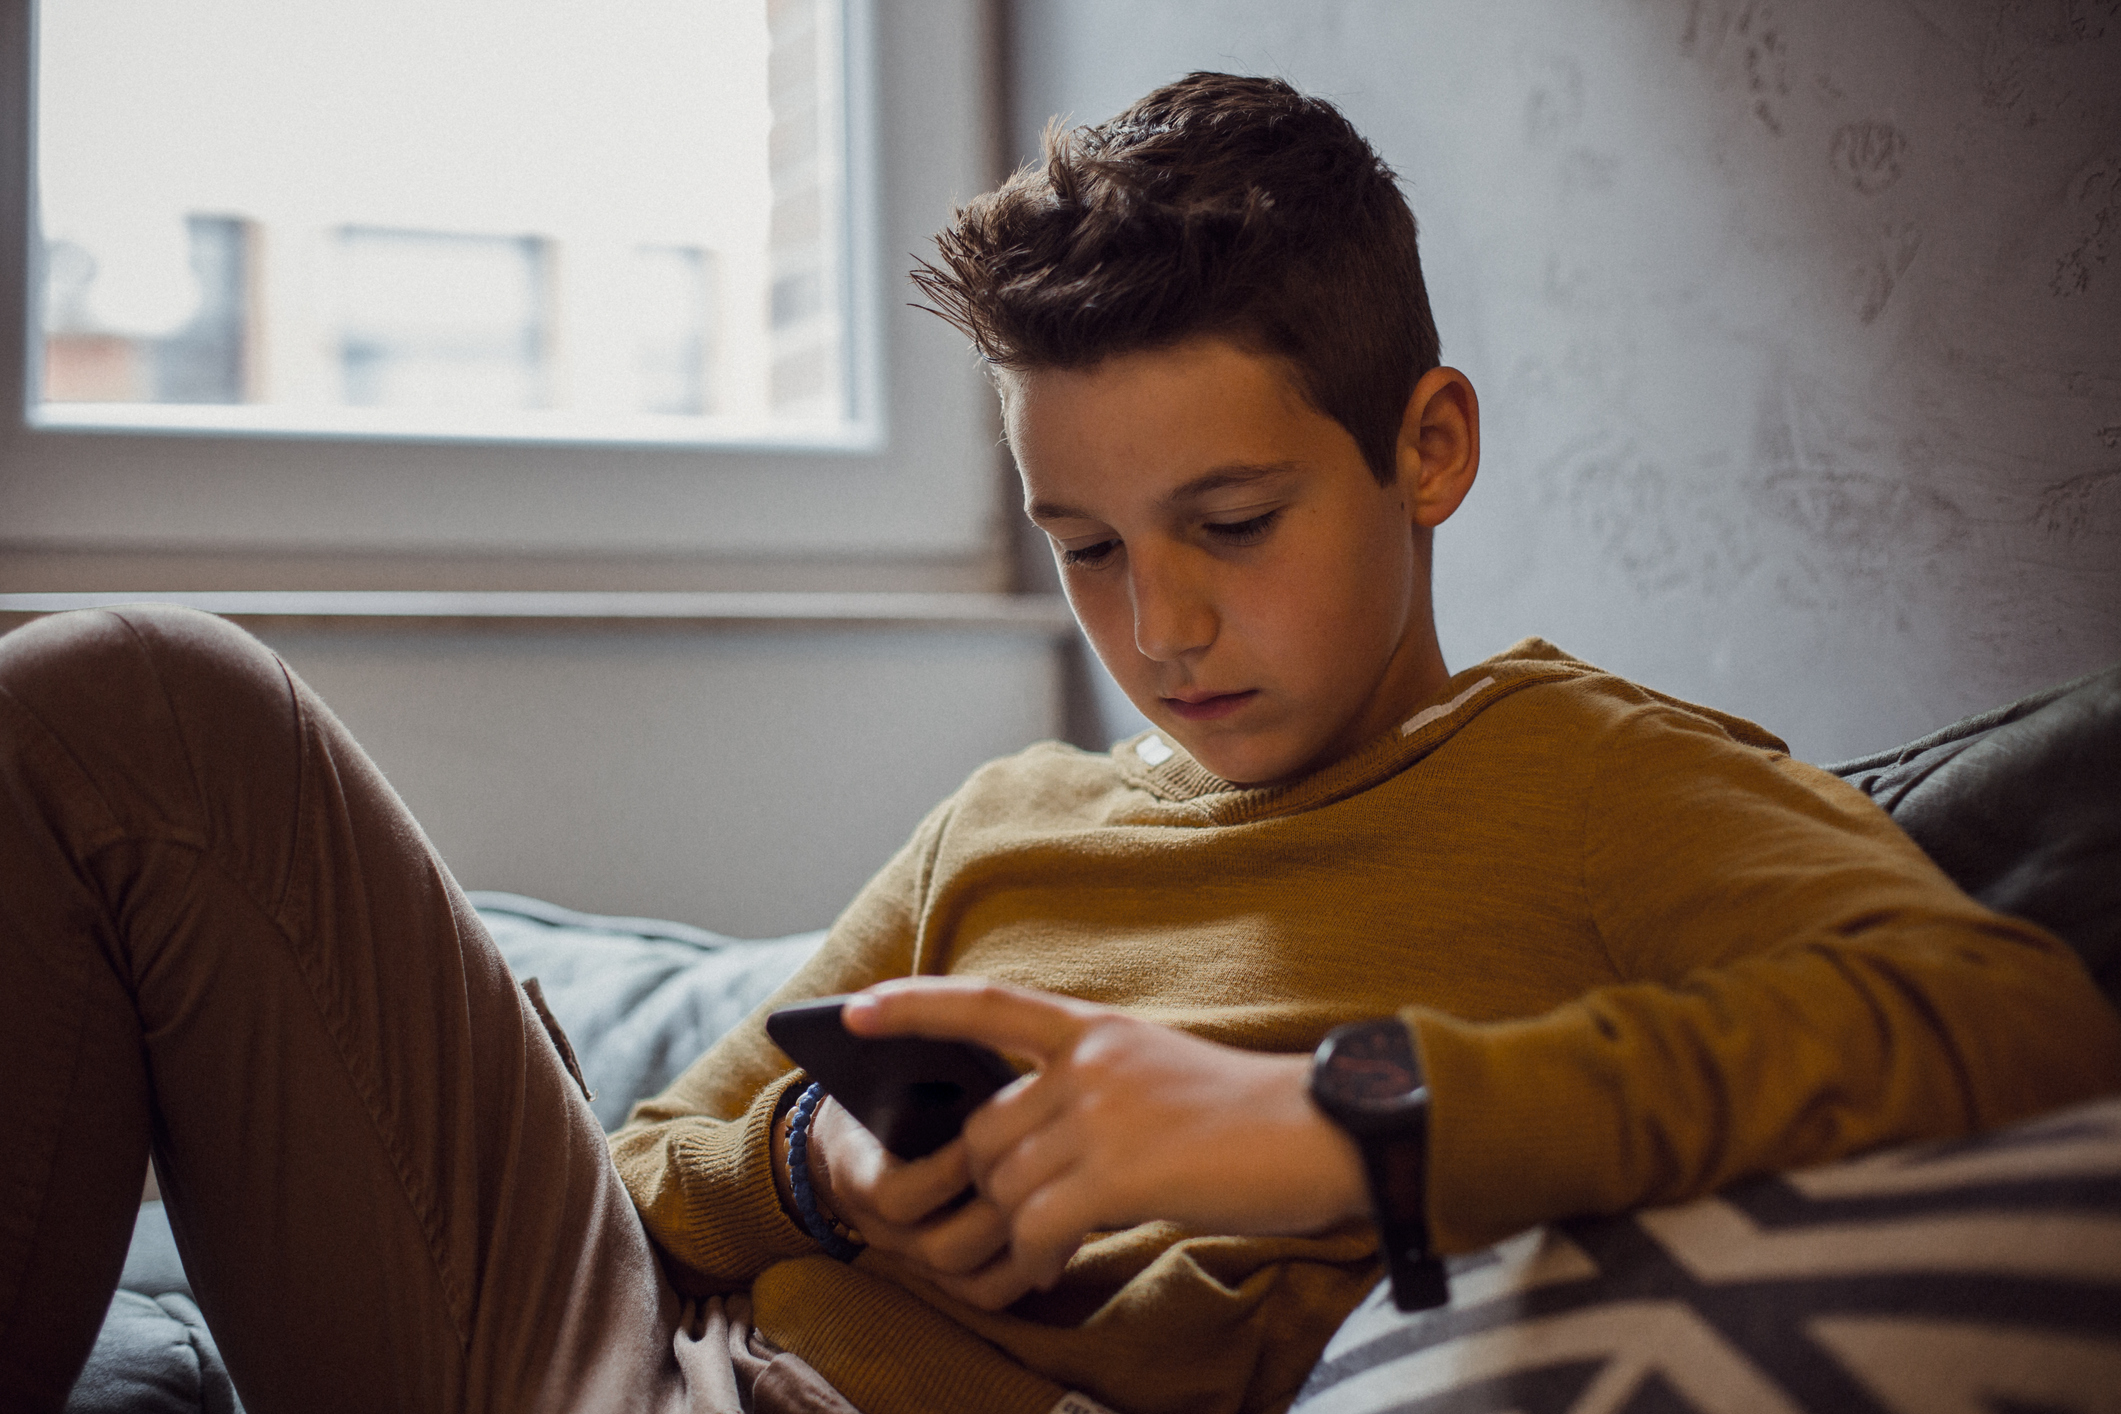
point(1796, 325)
point(748, 781)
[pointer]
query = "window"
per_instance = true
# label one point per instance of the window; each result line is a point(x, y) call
point(453, 206)
point(485, 277)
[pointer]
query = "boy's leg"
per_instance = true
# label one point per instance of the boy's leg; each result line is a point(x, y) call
point(220, 928)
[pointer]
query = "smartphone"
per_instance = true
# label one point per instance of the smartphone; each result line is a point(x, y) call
point(913, 1093)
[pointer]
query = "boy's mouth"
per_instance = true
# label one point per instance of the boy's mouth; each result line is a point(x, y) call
point(1207, 709)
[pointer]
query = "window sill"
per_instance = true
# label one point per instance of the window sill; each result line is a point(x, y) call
point(1038, 614)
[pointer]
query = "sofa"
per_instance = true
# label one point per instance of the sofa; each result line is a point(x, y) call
point(1977, 1275)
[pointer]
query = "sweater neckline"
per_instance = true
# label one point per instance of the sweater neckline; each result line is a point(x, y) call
point(1156, 763)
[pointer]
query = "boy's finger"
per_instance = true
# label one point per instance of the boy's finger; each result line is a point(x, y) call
point(1002, 1123)
point(965, 1241)
point(1037, 1158)
point(1011, 1019)
point(910, 1191)
point(1047, 1230)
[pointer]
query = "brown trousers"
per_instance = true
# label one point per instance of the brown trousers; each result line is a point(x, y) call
point(224, 941)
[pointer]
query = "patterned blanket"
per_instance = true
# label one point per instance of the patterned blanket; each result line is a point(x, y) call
point(1981, 1276)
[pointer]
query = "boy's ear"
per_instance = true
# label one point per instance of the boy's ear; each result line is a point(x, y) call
point(1439, 445)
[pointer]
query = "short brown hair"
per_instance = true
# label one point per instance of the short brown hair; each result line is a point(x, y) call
point(1218, 205)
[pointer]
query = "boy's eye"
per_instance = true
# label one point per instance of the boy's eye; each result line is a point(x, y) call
point(1242, 532)
point(1090, 556)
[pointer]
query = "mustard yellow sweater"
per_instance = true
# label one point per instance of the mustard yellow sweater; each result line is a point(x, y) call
point(1642, 950)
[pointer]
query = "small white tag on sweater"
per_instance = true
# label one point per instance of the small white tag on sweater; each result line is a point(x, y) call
point(1073, 1403)
point(1154, 751)
point(1427, 715)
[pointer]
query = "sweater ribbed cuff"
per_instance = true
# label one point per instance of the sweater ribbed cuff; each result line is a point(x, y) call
point(734, 1226)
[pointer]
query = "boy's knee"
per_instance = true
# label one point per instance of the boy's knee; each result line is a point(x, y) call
point(118, 669)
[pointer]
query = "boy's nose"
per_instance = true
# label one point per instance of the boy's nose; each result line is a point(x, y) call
point(1173, 615)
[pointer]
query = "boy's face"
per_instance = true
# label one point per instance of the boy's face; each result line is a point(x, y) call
point(1243, 576)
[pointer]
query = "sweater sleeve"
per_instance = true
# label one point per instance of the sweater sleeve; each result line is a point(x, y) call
point(697, 1159)
point(1798, 982)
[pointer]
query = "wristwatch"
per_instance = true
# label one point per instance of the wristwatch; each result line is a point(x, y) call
point(1367, 1079)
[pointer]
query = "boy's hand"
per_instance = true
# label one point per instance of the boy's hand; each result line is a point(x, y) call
point(1123, 1122)
point(913, 1209)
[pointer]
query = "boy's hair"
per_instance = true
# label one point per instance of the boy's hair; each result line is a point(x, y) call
point(1218, 205)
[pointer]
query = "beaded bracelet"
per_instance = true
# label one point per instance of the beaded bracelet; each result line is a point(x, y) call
point(814, 1220)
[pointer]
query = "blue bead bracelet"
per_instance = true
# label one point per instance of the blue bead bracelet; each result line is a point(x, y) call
point(806, 1206)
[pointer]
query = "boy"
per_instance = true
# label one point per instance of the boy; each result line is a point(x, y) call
point(1633, 950)
point(1637, 950)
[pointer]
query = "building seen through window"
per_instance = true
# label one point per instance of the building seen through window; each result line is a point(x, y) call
point(433, 320)
point(343, 217)
point(200, 359)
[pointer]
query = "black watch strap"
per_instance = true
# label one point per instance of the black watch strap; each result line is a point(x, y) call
point(1368, 1080)
point(1397, 1166)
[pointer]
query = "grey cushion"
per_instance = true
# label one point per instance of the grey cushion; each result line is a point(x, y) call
point(2022, 807)
point(640, 999)
point(154, 1355)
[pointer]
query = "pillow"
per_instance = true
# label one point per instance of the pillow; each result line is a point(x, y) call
point(640, 999)
point(2022, 807)
point(154, 1355)
point(1982, 1274)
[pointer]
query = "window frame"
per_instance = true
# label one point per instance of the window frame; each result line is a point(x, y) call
point(913, 478)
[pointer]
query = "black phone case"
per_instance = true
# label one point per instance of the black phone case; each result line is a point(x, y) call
point(911, 1092)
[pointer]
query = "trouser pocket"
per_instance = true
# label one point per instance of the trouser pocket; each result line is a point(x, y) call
point(558, 1033)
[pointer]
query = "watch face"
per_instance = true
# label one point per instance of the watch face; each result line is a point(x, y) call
point(1368, 1067)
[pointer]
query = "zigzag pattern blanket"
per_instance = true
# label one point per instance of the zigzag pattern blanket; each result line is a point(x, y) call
point(1981, 1276)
